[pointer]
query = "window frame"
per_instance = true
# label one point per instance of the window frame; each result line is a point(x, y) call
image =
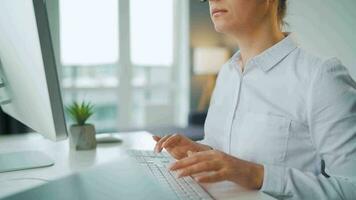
point(180, 69)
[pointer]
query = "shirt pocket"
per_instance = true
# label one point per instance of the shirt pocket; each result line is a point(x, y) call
point(262, 138)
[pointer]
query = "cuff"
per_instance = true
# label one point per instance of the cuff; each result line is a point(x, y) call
point(273, 180)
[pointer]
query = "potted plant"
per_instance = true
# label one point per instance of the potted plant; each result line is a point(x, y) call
point(82, 135)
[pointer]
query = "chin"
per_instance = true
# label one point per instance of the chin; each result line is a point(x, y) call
point(224, 26)
point(220, 28)
point(227, 28)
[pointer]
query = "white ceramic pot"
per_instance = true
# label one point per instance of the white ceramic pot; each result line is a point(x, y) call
point(82, 137)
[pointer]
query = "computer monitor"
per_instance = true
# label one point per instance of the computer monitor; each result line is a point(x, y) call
point(29, 88)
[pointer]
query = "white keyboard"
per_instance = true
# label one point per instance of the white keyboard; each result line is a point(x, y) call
point(157, 165)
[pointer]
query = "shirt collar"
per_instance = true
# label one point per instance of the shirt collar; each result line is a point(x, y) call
point(273, 55)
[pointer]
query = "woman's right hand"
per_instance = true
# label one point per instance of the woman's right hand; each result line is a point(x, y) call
point(178, 145)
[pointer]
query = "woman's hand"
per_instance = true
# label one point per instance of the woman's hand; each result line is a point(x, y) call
point(220, 167)
point(178, 145)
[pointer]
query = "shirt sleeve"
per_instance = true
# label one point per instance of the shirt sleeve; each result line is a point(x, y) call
point(332, 124)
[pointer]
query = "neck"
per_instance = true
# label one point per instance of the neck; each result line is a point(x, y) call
point(252, 43)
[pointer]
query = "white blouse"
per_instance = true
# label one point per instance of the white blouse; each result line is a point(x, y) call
point(295, 114)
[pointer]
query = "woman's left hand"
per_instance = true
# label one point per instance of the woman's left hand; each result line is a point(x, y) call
point(220, 167)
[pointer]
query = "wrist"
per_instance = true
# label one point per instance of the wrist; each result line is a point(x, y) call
point(253, 176)
point(258, 176)
point(249, 175)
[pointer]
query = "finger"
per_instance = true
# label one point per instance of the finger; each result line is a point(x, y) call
point(158, 147)
point(172, 141)
point(211, 177)
point(207, 166)
point(156, 138)
point(191, 160)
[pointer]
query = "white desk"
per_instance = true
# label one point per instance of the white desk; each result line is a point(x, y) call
point(70, 161)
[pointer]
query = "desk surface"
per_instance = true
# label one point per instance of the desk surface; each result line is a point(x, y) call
point(70, 161)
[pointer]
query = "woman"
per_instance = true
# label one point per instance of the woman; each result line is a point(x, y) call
point(280, 120)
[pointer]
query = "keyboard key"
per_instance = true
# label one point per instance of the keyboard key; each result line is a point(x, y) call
point(157, 166)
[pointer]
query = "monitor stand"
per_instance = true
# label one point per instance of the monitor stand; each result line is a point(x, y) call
point(16, 161)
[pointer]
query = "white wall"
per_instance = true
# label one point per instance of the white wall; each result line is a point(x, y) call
point(326, 28)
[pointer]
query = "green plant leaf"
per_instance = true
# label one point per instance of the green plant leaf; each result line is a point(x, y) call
point(80, 112)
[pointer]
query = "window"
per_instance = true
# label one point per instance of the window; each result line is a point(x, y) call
point(152, 32)
point(89, 49)
point(89, 32)
point(126, 91)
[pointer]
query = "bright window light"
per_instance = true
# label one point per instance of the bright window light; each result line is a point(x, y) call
point(89, 32)
point(151, 32)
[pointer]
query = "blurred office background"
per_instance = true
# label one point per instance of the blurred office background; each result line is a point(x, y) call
point(152, 64)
